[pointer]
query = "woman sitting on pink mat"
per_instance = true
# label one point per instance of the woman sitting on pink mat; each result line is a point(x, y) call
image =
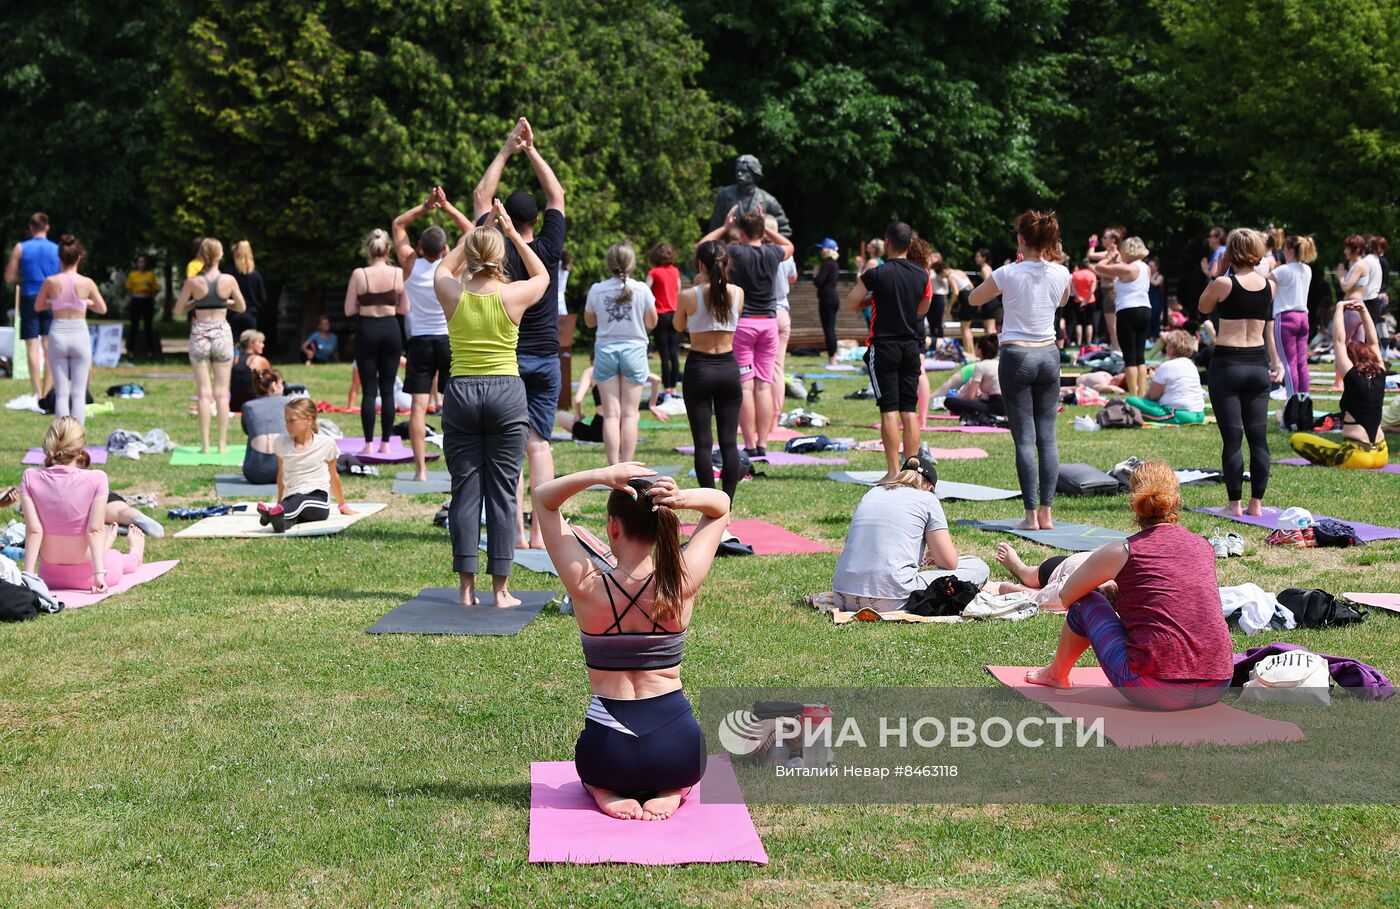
point(1163, 643)
point(67, 541)
point(640, 750)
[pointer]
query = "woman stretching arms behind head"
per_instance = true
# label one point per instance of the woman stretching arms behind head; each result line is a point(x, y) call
point(640, 750)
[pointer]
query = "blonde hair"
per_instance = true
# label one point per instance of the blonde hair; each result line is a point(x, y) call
point(243, 257)
point(303, 407)
point(65, 443)
point(876, 248)
point(830, 253)
point(377, 244)
point(911, 478)
point(1155, 494)
point(250, 335)
point(1180, 344)
point(486, 254)
point(1133, 248)
point(771, 223)
point(1303, 248)
point(210, 252)
point(621, 259)
point(1244, 248)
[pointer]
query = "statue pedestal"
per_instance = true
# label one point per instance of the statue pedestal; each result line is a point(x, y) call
point(567, 324)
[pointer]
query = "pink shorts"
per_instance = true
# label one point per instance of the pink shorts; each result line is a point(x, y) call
point(80, 576)
point(756, 348)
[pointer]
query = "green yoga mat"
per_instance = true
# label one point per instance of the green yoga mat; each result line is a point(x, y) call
point(191, 456)
point(657, 424)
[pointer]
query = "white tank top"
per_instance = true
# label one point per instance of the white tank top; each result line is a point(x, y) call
point(1132, 294)
point(704, 320)
point(424, 311)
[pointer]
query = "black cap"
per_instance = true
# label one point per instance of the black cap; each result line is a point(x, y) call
point(925, 467)
point(521, 207)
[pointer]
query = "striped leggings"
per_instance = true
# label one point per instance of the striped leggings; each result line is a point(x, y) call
point(306, 508)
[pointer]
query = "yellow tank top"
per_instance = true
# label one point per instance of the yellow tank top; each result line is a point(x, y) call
point(482, 337)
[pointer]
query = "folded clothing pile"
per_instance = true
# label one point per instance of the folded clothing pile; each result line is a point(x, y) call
point(131, 444)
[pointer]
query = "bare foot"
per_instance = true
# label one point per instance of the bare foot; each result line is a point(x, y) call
point(1256, 507)
point(467, 587)
point(1044, 519)
point(614, 805)
point(662, 805)
point(505, 598)
point(223, 448)
point(1028, 524)
point(421, 475)
point(1048, 678)
point(136, 542)
point(368, 449)
point(522, 541)
point(383, 447)
point(1011, 561)
point(1234, 509)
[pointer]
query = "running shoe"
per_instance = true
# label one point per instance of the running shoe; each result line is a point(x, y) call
point(1219, 546)
point(1234, 544)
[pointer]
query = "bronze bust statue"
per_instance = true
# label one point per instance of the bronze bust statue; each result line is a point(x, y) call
point(748, 196)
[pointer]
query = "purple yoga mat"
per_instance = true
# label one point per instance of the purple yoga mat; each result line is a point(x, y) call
point(398, 452)
point(1304, 462)
point(1269, 520)
point(95, 455)
point(776, 458)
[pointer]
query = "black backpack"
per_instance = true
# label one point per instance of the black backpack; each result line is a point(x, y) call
point(805, 444)
point(948, 595)
point(1320, 609)
point(17, 604)
point(1119, 414)
point(1298, 414)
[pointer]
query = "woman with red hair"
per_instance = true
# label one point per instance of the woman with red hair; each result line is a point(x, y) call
point(1363, 394)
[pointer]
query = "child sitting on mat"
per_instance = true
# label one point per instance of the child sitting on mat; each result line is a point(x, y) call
point(306, 474)
point(1363, 397)
point(641, 749)
point(1175, 395)
point(897, 529)
point(67, 540)
point(1163, 643)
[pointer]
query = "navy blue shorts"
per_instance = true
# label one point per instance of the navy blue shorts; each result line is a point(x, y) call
point(33, 324)
point(662, 747)
point(541, 378)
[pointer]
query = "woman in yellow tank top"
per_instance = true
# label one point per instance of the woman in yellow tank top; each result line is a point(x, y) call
point(484, 422)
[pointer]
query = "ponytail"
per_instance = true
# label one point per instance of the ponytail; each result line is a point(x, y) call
point(1303, 247)
point(662, 528)
point(714, 255)
point(1041, 232)
point(621, 259)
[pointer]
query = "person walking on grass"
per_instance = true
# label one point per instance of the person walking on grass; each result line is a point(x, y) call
point(900, 293)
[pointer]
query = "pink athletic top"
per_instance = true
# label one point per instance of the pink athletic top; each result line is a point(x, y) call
point(68, 297)
point(1169, 602)
point(63, 497)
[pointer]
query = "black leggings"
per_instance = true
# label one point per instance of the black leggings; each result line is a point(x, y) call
point(827, 308)
point(960, 406)
point(377, 350)
point(306, 508)
point(936, 310)
point(143, 341)
point(1239, 394)
point(712, 386)
point(668, 347)
point(1133, 323)
point(664, 750)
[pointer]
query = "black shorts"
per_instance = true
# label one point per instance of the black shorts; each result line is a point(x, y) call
point(895, 367)
point(429, 358)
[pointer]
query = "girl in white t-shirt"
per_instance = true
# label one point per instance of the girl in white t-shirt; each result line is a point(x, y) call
point(306, 474)
point(623, 311)
point(1175, 395)
point(1292, 282)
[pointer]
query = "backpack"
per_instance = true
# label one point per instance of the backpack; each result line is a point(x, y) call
point(1117, 414)
point(1298, 414)
point(805, 444)
point(947, 595)
point(17, 603)
point(1320, 609)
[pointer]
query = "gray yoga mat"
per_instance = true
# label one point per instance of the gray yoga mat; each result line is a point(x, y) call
point(1074, 537)
point(946, 489)
point(533, 559)
point(438, 482)
point(437, 611)
point(233, 486)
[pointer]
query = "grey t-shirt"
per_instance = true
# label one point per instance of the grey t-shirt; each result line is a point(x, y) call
point(265, 416)
point(885, 545)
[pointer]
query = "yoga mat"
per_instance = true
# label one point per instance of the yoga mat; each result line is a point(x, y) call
point(940, 365)
point(939, 454)
point(946, 489)
point(566, 825)
point(1269, 520)
point(162, 375)
point(438, 482)
point(538, 560)
point(1130, 726)
point(768, 539)
point(1074, 537)
point(245, 525)
point(233, 486)
point(1304, 462)
point(191, 456)
point(1387, 601)
point(927, 427)
point(398, 452)
point(95, 455)
point(437, 611)
point(783, 434)
point(830, 375)
point(773, 458)
point(149, 571)
point(965, 429)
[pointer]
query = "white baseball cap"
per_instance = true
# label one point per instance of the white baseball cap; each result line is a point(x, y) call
point(1294, 517)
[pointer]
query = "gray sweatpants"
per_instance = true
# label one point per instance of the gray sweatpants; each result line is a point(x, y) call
point(970, 569)
point(70, 358)
point(1030, 388)
point(484, 426)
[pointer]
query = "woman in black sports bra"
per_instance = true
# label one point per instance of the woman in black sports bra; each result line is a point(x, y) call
point(640, 750)
point(1243, 366)
point(378, 339)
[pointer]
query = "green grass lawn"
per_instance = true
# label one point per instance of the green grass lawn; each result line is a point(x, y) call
point(228, 736)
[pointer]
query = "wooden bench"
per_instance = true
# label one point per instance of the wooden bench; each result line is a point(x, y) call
point(807, 321)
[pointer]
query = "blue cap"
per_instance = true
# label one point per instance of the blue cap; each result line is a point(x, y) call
point(830, 244)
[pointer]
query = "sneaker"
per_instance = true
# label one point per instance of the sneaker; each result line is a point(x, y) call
point(751, 452)
point(1278, 394)
point(1234, 544)
point(1219, 546)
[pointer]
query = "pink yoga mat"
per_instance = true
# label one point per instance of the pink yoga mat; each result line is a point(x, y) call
point(77, 599)
point(776, 458)
point(769, 539)
point(965, 429)
point(1130, 726)
point(95, 455)
point(566, 825)
point(941, 454)
point(1269, 520)
point(1390, 602)
point(398, 452)
point(1304, 462)
point(782, 434)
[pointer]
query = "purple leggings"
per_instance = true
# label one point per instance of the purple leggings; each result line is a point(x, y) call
point(1093, 618)
point(1291, 336)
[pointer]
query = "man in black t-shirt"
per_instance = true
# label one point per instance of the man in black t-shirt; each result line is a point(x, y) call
point(537, 351)
point(900, 293)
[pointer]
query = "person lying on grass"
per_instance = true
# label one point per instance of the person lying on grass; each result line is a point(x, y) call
point(640, 750)
point(1045, 580)
point(897, 529)
point(1163, 643)
point(306, 474)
